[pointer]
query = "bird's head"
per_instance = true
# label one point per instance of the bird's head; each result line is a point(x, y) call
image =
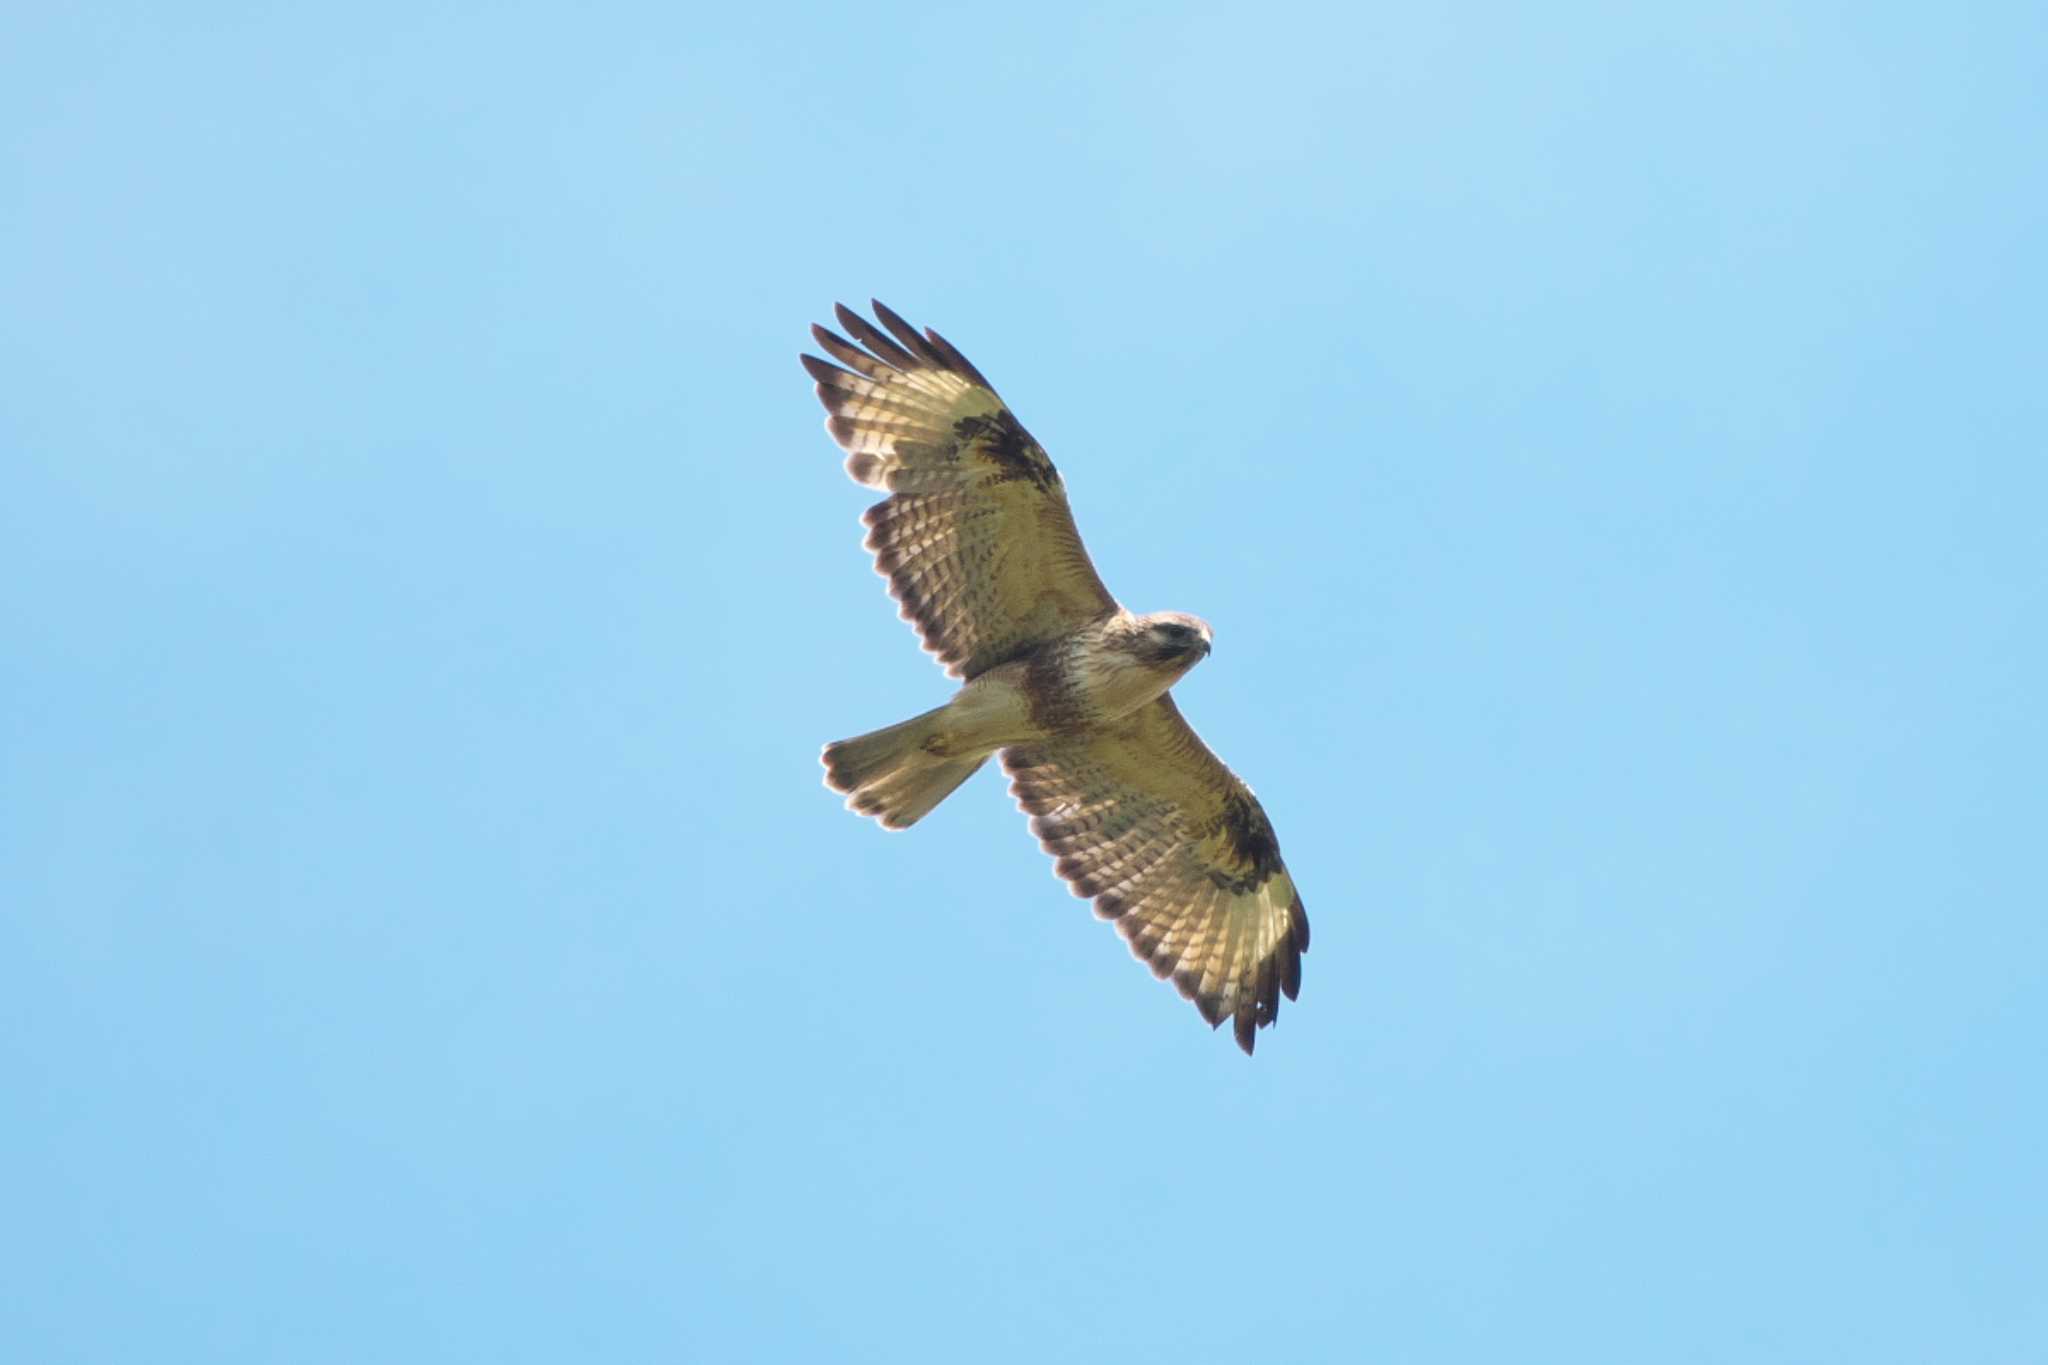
point(1173, 640)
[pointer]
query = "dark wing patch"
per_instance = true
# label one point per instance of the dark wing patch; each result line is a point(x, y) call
point(1009, 447)
point(977, 541)
point(1170, 844)
point(1249, 836)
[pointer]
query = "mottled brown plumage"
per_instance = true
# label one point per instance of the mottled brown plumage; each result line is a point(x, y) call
point(977, 542)
point(979, 547)
point(1142, 817)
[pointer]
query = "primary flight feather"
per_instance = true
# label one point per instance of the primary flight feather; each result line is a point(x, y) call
point(980, 548)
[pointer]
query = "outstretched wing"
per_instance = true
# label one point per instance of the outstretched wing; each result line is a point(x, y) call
point(977, 542)
point(1173, 846)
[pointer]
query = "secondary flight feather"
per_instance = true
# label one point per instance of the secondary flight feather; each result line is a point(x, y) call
point(979, 547)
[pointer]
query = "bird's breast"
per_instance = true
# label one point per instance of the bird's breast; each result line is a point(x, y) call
point(1085, 683)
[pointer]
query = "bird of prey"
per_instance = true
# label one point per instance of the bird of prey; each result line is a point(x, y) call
point(980, 549)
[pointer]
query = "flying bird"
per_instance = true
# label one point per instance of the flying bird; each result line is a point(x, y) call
point(979, 547)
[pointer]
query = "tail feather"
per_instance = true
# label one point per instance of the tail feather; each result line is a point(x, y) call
point(892, 773)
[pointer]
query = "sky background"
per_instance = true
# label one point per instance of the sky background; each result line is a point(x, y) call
point(1606, 438)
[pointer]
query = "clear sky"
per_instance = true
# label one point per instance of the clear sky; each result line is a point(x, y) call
point(1607, 439)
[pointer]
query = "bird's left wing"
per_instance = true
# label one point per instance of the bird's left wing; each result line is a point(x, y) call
point(1144, 819)
point(976, 540)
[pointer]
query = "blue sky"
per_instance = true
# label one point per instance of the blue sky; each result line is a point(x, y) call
point(1606, 439)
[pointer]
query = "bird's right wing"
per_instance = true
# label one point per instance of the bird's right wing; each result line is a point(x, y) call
point(976, 541)
point(1146, 820)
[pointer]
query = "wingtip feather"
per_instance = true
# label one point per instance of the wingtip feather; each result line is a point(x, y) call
point(872, 337)
point(908, 335)
point(956, 361)
point(825, 372)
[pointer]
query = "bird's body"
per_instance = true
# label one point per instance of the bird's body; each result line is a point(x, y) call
point(1071, 688)
point(1073, 684)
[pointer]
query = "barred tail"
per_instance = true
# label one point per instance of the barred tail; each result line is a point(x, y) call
point(893, 773)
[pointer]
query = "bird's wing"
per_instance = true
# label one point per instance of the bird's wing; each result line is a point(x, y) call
point(1168, 842)
point(976, 540)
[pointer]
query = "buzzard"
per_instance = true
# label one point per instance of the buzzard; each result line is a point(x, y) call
point(979, 547)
